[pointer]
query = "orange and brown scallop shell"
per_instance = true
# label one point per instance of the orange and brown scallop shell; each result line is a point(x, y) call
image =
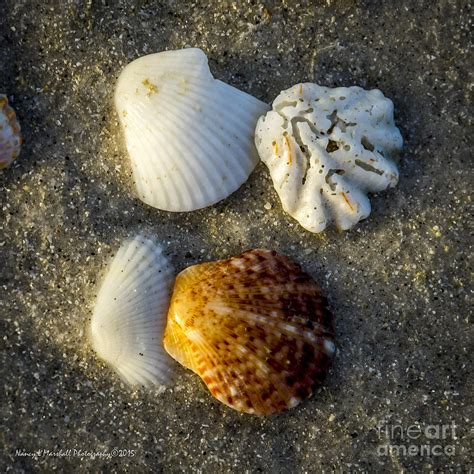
point(255, 328)
point(10, 137)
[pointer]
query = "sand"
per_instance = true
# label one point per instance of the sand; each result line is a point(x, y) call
point(398, 283)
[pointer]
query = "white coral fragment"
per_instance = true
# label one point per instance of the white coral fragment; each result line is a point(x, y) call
point(325, 149)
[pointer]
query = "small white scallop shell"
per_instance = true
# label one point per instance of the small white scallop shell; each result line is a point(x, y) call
point(325, 149)
point(190, 137)
point(10, 138)
point(130, 313)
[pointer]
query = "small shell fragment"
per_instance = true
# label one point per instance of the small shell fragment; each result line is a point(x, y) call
point(325, 149)
point(130, 313)
point(190, 137)
point(255, 328)
point(10, 137)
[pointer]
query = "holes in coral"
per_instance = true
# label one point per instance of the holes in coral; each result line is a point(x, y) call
point(332, 146)
point(330, 182)
point(329, 176)
point(302, 120)
point(284, 104)
point(279, 110)
point(366, 143)
point(365, 166)
point(333, 118)
point(297, 136)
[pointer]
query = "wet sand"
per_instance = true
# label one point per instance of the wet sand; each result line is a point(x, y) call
point(398, 283)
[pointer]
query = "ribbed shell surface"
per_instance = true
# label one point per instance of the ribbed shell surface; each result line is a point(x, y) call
point(255, 328)
point(190, 137)
point(130, 313)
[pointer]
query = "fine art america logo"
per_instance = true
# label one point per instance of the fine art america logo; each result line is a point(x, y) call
point(417, 440)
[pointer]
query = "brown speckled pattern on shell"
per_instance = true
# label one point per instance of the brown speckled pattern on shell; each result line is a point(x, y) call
point(10, 138)
point(255, 328)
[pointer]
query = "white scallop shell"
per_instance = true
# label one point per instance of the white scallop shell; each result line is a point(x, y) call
point(189, 136)
point(325, 149)
point(10, 138)
point(130, 313)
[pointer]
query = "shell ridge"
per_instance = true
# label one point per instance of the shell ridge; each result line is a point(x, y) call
point(258, 360)
point(150, 171)
point(206, 185)
point(230, 125)
point(209, 191)
point(173, 344)
point(144, 172)
point(146, 271)
point(212, 355)
point(195, 170)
